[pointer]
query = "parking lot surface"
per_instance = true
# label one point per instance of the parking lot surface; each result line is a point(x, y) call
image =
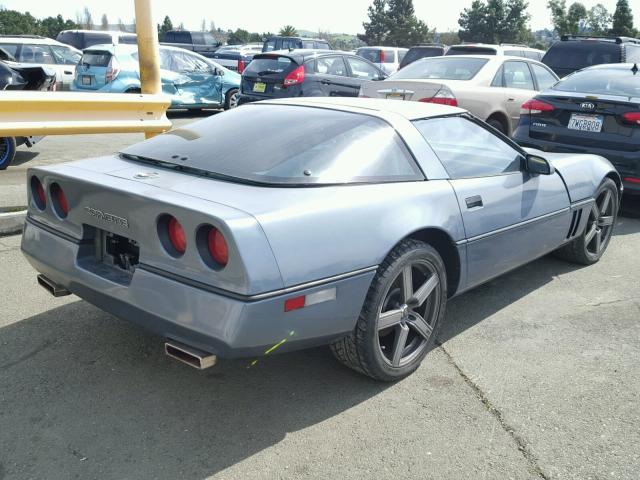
point(536, 378)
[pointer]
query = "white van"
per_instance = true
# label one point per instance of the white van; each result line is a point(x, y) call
point(385, 58)
point(506, 49)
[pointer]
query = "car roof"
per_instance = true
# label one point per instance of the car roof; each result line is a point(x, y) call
point(300, 54)
point(613, 66)
point(378, 47)
point(32, 40)
point(108, 32)
point(408, 110)
point(501, 47)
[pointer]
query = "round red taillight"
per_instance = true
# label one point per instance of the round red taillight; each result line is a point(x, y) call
point(37, 192)
point(59, 200)
point(218, 247)
point(176, 235)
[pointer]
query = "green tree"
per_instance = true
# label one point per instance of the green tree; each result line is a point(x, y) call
point(377, 28)
point(599, 20)
point(167, 25)
point(52, 26)
point(288, 31)
point(13, 22)
point(239, 37)
point(623, 20)
point(495, 21)
point(567, 21)
point(405, 29)
point(104, 22)
point(448, 38)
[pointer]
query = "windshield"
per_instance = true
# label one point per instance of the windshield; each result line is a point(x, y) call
point(297, 146)
point(418, 53)
point(577, 55)
point(270, 66)
point(441, 68)
point(602, 82)
point(95, 58)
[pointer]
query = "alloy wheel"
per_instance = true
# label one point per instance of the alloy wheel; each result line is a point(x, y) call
point(600, 223)
point(408, 313)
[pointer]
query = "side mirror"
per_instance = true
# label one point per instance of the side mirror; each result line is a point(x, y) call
point(217, 72)
point(538, 165)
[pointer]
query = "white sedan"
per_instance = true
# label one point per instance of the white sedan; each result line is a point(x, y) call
point(493, 88)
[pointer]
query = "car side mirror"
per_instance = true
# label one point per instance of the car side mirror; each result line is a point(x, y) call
point(538, 165)
point(217, 72)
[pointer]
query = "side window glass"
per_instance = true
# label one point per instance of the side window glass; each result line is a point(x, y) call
point(332, 66)
point(270, 46)
point(633, 53)
point(65, 56)
point(389, 56)
point(361, 69)
point(307, 44)
point(10, 48)
point(518, 75)
point(472, 152)
point(37, 54)
point(544, 76)
point(498, 80)
point(165, 59)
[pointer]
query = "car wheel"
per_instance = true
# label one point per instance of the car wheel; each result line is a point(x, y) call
point(592, 243)
point(497, 124)
point(7, 151)
point(232, 98)
point(398, 322)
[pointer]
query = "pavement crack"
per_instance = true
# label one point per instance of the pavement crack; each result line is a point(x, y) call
point(26, 356)
point(520, 442)
point(610, 302)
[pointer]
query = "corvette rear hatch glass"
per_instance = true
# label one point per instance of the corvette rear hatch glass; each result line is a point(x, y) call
point(290, 145)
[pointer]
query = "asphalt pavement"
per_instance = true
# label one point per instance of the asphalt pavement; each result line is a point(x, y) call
point(536, 377)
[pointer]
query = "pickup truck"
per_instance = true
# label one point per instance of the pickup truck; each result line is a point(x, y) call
point(236, 57)
point(200, 42)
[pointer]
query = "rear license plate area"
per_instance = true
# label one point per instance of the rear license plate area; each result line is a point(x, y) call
point(586, 123)
point(259, 87)
point(395, 96)
point(109, 255)
point(85, 79)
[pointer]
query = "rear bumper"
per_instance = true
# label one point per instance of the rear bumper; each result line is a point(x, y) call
point(627, 163)
point(227, 326)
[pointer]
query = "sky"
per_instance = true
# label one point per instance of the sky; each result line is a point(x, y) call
point(335, 16)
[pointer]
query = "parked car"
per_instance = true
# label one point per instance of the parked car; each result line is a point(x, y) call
point(423, 51)
point(291, 43)
point(82, 39)
point(228, 248)
point(16, 76)
point(306, 73)
point(509, 49)
point(200, 42)
point(595, 110)
point(191, 80)
point(386, 58)
point(42, 51)
point(236, 57)
point(491, 87)
point(574, 52)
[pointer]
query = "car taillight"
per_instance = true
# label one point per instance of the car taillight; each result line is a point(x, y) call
point(112, 70)
point(631, 117)
point(443, 97)
point(172, 235)
point(241, 66)
point(309, 299)
point(382, 56)
point(295, 77)
point(37, 192)
point(59, 200)
point(535, 107)
point(218, 248)
point(631, 179)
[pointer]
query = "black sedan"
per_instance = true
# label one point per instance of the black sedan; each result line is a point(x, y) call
point(306, 73)
point(595, 110)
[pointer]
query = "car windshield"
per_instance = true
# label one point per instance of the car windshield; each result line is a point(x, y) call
point(297, 146)
point(441, 68)
point(271, 65)
point(577, 55)
point(95, 58)
point(605, 81)
point(422, 52)
point(371, 54)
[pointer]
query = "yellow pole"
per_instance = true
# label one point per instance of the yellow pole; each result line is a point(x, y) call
point(148, 50)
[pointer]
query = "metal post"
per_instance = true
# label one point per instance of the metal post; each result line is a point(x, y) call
point(148, 50)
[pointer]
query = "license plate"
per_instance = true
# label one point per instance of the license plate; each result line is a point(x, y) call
point(259, 87)
point(586, 123)
point(395, 96)
point(86, 79)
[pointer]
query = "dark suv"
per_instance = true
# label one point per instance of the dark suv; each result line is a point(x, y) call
point(575, 52)
point(291, 43)
point(423, 50)
point(306, 73)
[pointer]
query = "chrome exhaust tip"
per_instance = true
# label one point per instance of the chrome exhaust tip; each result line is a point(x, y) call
point(191, 356)
point(52, 287)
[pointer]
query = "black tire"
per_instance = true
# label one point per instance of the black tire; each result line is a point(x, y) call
point(133, 90)
point(7, 151)
point(589, 247)
point(229, 103)
point(365, 349)
point(497, 124)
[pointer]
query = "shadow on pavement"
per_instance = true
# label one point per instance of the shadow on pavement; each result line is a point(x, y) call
point(195, 114)
point(86, 395)
point(24, 156)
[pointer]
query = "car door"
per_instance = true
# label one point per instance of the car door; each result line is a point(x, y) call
point(544, 76)
point(518, 87)
point(361, 71)
point(333, 76)
point(510, 216)
point(66, 61)
point(198, 83)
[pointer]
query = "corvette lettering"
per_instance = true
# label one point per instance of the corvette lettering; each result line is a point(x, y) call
point(107, 217)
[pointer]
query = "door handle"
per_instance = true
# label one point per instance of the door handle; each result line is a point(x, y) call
point(473, 202)
point(68, 72)
point(511, 99)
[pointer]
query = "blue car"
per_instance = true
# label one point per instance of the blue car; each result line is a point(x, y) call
point(191, 80)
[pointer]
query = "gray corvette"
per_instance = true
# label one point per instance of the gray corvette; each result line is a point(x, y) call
point(347, 222)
